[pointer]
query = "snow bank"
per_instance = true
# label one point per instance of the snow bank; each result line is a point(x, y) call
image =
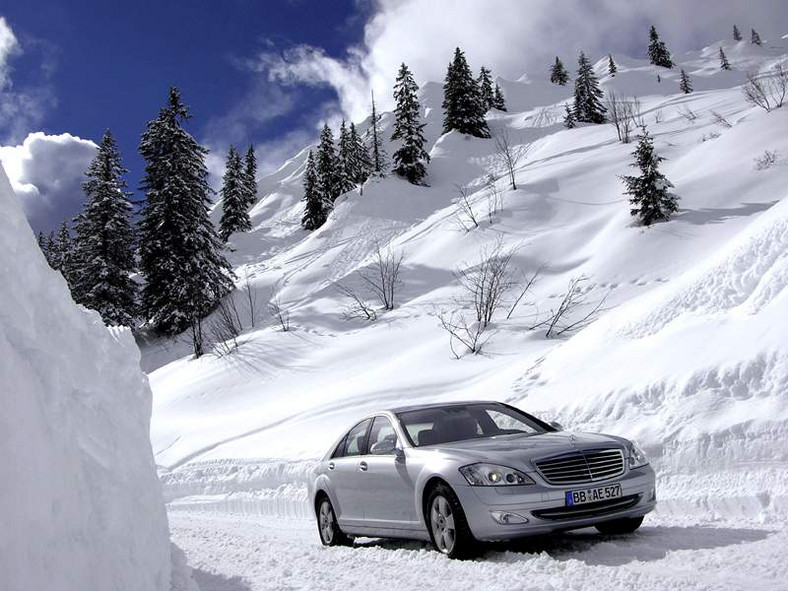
point(80, 504)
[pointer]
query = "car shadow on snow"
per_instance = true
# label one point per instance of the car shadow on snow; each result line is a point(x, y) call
point(647, 544)
point(212, 582)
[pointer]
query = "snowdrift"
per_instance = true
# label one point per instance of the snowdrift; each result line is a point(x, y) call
point(80, 505)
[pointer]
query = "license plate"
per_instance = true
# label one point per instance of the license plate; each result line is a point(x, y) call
point(593, 495)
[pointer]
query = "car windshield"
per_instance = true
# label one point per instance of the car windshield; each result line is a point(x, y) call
point(443, 424)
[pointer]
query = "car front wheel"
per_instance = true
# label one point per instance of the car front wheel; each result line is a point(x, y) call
point(447, 524)
point(625, 525)
point(327, 526)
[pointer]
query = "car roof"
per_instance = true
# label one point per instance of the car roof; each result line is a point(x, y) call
point(439, 405)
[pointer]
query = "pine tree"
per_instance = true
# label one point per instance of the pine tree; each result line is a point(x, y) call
point(42, 244)
point(235, 198)
point(558, 74)
point(314, 210)
point(51, 250)
point(180, 253)
point(736, 33)
point(755, 38)
point(359, 164)
point(685, 84)
point(499, 102)
point(410, 158)
point(327, 168)
point(649, 192)
point(462, 103)
point(62, 253)
point(658, 53)
point(588, 106)
point(379, 163)
point(569, 118)
point(250, 176)
point(345, 179)
point(611, 65)
point(724, 63)
point(104, 241)
point(486, 89)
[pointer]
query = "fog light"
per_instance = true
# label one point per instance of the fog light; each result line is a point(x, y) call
point(506, 518)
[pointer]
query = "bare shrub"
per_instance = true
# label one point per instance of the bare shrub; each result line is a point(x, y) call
point(720, 120)
point(765, 160)
point(508, 154)
point(250, 297)
point(225, 327)
point(466, 217)
point(358, 308)
point(280, 314)
point(573, 313)
point(469, 335)
point(711, 136)
point(768, 90)
point(494, 196)
point(624, 115)
point(659, 117)
point(687, 113)
point(383, 279)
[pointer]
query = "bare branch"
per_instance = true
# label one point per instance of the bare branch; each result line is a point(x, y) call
point(508, 154)
point(359, 308)
point(465, 215)
point(280, 313)
point(565, 319)
point(767, 90)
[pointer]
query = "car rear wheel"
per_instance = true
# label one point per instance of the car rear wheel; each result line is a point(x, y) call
point(447, 524)
point(625, 525)
point(327, 526)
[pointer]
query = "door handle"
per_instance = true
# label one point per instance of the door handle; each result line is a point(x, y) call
point(362, 466)
point(331, 465)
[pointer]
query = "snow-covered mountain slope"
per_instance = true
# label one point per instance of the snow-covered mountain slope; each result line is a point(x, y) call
point(689, 356)
point(81, 507)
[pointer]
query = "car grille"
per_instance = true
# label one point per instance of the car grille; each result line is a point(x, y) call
point(589, 510)
point(583, 466)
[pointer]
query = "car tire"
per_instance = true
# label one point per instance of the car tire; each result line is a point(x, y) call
point(625, 525)
point(447, 525)
point(327, 525)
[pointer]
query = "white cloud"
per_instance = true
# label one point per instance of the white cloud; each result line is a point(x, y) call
point(46, 172)
point(514, 37)
point(8, 47)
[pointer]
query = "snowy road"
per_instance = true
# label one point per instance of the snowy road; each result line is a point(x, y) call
point(232, 552)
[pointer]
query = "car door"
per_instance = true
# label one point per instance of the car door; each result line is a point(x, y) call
point(389, 488)
point(345, 475)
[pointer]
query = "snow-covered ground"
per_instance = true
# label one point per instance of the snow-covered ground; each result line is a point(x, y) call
point(689, 357)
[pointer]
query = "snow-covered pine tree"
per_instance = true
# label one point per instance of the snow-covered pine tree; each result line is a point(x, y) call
point(649, 192)
point(360, 164)
point(588, 107)
point(569, 117)
point(51, 250)
point(486, 89)
point(235, 198)
point(104, 240)
point(685, 84)
point(724, 63)
point(180, 254)
point(42, 244)
point(558, 73)
point(755, 38)
point(736, 33)
point(314, 209)
point(658, 53)
point(62, 253)
point(378, 153)
point(410, 158)
point(327, 168)
point(250, 176)
point(462, 103)
point(344, 157)
point(499, 102)
point(611, 65)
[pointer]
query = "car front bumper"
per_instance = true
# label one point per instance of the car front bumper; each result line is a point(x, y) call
point(544, 506)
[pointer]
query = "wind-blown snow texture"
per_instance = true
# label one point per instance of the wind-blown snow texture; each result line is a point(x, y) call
point(690, 356)
point(80, 505)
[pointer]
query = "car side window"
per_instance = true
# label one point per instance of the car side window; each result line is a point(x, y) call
point(340, 449)
point(356, 440)
point(382, 430)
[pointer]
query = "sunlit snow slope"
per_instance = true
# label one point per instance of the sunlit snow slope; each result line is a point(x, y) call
point(690, 356)
point(81, 508)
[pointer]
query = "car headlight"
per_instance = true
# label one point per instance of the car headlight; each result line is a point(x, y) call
point(493, 475)
point(637, 457)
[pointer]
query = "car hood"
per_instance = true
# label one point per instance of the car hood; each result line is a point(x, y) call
point(522, 449)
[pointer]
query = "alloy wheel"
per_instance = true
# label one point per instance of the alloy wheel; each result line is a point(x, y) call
point(442, 522)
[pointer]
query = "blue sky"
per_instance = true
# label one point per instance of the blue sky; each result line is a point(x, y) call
point(270, 72)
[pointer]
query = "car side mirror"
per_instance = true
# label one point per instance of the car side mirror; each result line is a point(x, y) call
point(385, 447)
point(556, 425)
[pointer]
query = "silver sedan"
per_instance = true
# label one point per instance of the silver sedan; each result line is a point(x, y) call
point(454, 474)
